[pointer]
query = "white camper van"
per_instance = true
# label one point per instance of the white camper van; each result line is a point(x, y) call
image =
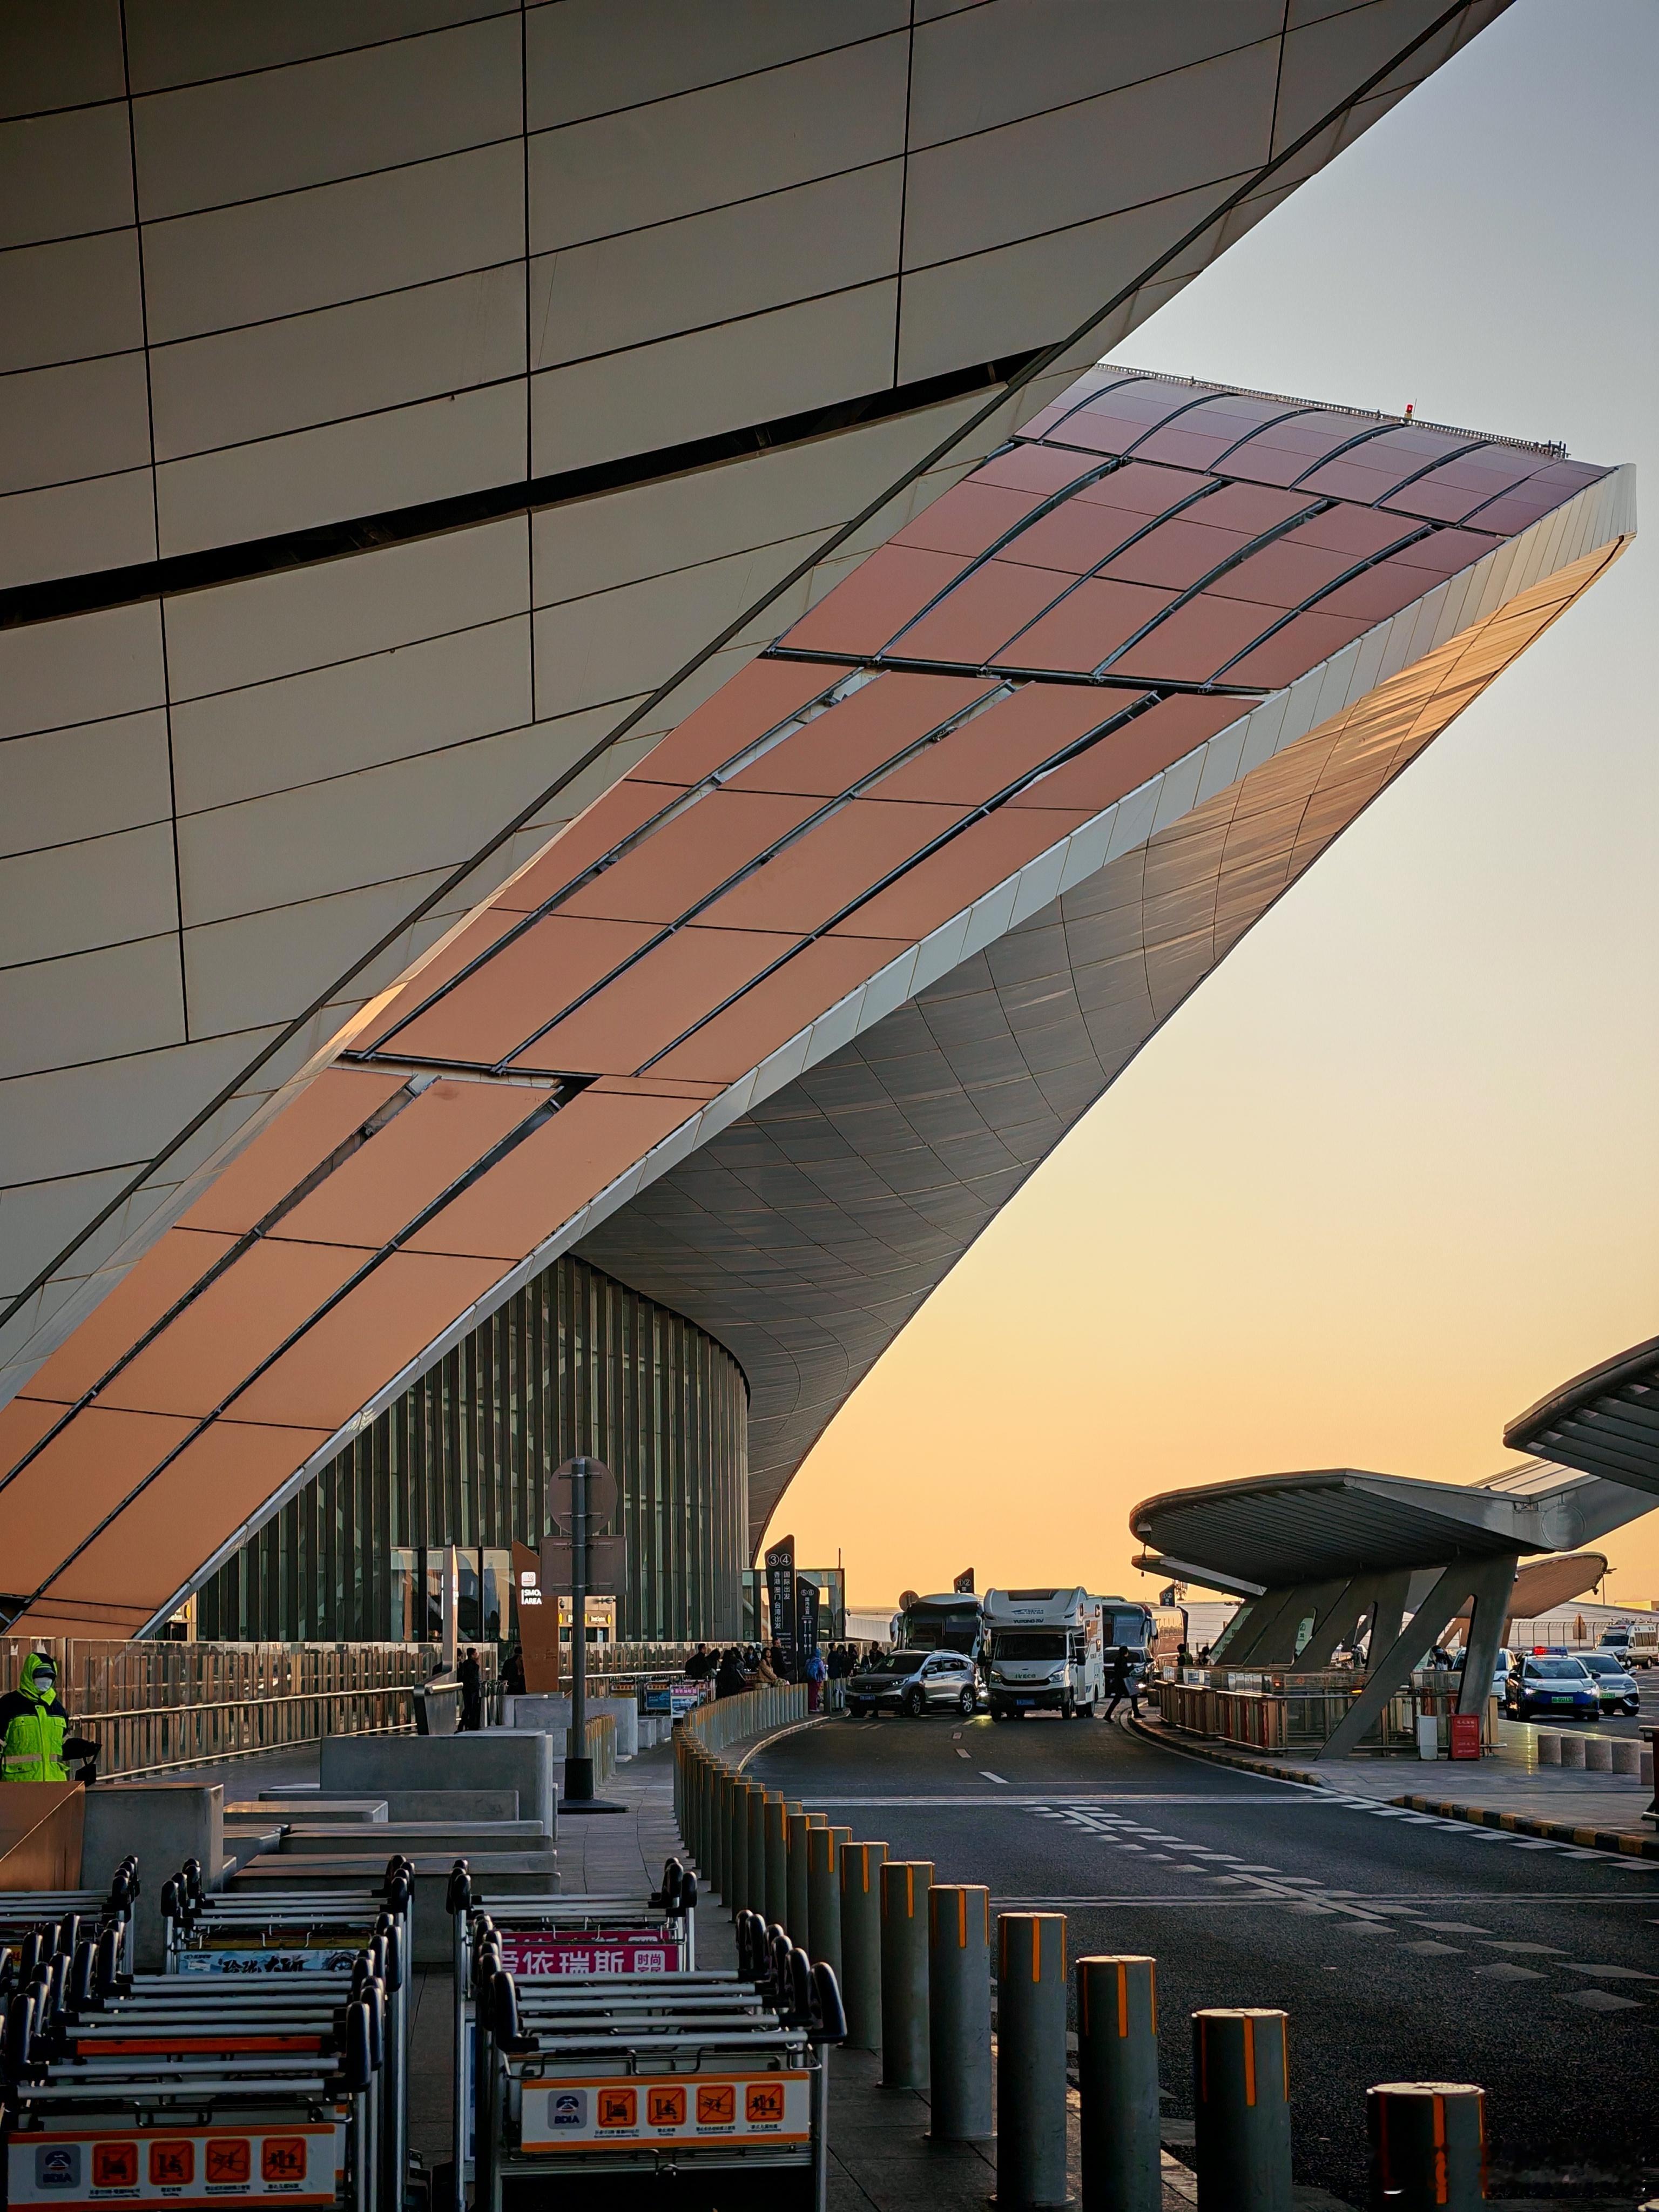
point(1043, 1653)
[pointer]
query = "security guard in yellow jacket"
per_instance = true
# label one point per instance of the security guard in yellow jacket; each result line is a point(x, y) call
point(33, 1721)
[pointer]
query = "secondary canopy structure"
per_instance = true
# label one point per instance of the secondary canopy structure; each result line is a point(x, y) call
point(1324, 1557)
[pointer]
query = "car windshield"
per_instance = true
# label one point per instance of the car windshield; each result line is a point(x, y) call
point(1601, 1663)
point(896, 1662)
point(1031, 1644)
point(1556, 1670)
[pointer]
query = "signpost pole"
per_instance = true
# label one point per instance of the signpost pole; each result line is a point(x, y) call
point(578, 1766)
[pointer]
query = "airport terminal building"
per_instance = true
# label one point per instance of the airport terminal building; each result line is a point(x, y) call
point(606, 752)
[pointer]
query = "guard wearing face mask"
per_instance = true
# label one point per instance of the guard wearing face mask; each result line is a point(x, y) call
point(34, 1739)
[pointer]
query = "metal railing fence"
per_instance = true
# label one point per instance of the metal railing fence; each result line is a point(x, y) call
point(155, 1708)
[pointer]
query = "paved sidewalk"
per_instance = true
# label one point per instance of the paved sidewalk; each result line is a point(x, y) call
point(1508, 1789)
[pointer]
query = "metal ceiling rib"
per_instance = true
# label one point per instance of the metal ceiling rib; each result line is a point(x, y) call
point(1606, 1420)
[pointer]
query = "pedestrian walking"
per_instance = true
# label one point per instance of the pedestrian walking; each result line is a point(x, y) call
point(513, 1682)
point(1121, 1682)
point(817, 1673)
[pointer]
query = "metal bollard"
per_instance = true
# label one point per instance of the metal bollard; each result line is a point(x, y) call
point(904, 1886)
point(1117, 2082)
point(860, 1942)
point(777, 1870)
point(1428, 2146)
point(824, 1895)
point(741, 1793)
point(1030, 2059)
point(798, 1919)
point(756, 1808)
point(1240, 2101)
point(960, 2011)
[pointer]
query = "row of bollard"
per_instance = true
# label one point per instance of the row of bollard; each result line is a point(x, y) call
point(914, 1958)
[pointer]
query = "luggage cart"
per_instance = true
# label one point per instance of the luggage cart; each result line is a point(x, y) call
point(198, 2133)
point(285, 1937)
point(72, 1913)
point(561, 1935)
point(620, 2092)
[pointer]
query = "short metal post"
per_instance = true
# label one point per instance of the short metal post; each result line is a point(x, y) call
point(1428, 2146)
point(1241, 2109)
point(1117, 2084)
point(755, 1806)
point(796, 1916)
point(823, 1894)
point(1030, 2059)
point(861, 1942)
point(737, 1847)
point(777, 1864)
point(904, 1886)
point(960, 2011)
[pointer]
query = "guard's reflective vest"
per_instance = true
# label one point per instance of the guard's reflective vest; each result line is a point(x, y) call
point(33, 1722)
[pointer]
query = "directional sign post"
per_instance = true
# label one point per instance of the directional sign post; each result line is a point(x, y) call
point(584, 1497)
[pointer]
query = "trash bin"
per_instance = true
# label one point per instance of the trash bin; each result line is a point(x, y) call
point(1428, 1736)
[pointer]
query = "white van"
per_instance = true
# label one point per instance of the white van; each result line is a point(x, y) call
point(1044, 1652)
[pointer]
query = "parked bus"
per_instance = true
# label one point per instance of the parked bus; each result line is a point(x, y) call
point(951, 1622)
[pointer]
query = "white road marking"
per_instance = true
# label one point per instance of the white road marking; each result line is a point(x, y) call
point(986, 1775)
point(960, 1753)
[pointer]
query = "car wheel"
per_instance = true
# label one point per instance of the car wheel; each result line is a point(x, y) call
point(1067, 1709)
point(912, 1703)
point(998, 1714)
point(967, 1704)
point(858, 1712)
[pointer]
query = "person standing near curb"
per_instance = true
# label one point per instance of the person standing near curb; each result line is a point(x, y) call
point(34, 1744)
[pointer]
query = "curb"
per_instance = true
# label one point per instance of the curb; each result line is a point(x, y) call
point(1167, 1742)
point(1620, 1841)
point(765, 1742)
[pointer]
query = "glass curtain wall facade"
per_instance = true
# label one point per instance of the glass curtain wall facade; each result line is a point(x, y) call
point(575, 1362)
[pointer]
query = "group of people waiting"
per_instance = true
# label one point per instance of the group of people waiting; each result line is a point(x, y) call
point(740, 1666)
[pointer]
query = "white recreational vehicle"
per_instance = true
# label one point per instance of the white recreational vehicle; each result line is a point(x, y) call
point(1044, 1652)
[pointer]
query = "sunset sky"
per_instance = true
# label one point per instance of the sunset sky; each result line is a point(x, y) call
point(1391, 1175)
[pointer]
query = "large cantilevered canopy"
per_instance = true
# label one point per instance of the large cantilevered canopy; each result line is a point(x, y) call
point(772, 1030)
point(1606, 1420)
point(1286, 1528)
point(1280, 1530)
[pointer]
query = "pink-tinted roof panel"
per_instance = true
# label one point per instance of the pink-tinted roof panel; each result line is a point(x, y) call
point(780, 1007)
point(983, 855)
point(1282, 574)
point(224, 1332)
point(1304, 642)
point(1378, 591)
point(836, 749)
point(968, 518)
point(1449, 494)
point(1178, 553)
point(1076, 537)
point(626, 808)
point(1143, 490)
point(535, 978)
point(1039, 468)
point(1091, 385)
point(1189, 645)
point(556, 1170)
point(1356, 532)
point(1087, 627)
point(667, 872)
point(646, 1009)
point(813, 878)
point(168, 1272)
point(884, 592)
point(156, 1544)
point(746, 707)
point(1121, 762)
point(1009, 740)
point(972, 621)
point(326, 1113)
point(374, 1333)
point(97, 1461)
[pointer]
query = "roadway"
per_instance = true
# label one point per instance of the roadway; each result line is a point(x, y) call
point(1402, 1947)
